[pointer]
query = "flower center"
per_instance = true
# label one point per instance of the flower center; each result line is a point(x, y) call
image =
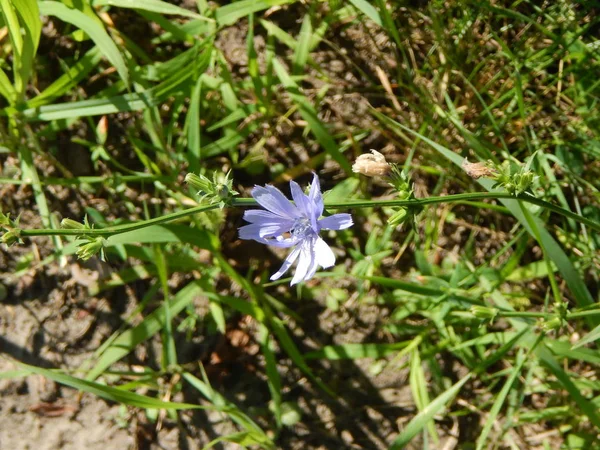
point(301, 227)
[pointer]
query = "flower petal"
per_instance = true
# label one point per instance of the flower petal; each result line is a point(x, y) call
point(316, 196)
point(286, 264)
point(336, 222)
point(272, 199)
point(261, 216)
point(305, 261)
point(323, 253)
point(258, 231)
point(302, 201)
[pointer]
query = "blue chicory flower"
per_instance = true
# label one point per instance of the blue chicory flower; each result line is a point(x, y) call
point(286, 224)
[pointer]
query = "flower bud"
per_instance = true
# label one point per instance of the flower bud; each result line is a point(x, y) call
point(89, 249)
point(12, 236)
point(199, 182)
point(484, 312)
point(71, 224)
point(4, 219)
point(102, 130)
point(371, 165)
point(398, 217)
point(478, 169)
point(552, 324)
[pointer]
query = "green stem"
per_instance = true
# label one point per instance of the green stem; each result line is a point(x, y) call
point(109, 231)
point(246, 202)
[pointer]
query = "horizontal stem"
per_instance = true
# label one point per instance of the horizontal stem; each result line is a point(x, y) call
point(109, 231)
point(246, 202)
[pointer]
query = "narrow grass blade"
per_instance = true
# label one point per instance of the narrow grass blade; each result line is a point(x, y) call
point(222, 404)
point(193, 126)
point(421, 419)
point(587, 407)
point(156, 6)
point(7, 90)
point(500, 399)
point(169, 357)
point(303, 47)
point(98, 34)
point(273, 378)
point(592, 336)
point(308, 112)
point(368, 10)
point(106, 392)
point(355, 351)
point(151, 325)
point(555, 252)
point(76, 73)
point(231, 13)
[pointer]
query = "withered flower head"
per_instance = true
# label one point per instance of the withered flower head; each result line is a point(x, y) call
point(478, 170)
point(371, 165)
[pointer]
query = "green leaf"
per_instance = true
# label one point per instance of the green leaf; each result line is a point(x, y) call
point(74, 75)
point(128, 102)
point(308, 112)
point(500, 398)
point(592, 336)
point(7, 90)
point(107, 392)
point(229, 14)
point(368, 10)
point(575, 394)
point(356, 351)
point(421, 419)
point(97, 33)
point(152, 324)
point(555, 252)
point(303, 47)
point(165, 233)
point(193, 125)
point(156, 6)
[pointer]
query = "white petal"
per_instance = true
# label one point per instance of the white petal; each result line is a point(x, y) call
point(323, 253)
point(286, 264)
point(304, 262)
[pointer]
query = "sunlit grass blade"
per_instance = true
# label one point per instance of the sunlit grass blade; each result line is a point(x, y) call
point(76, 73)
point(229, 14)
point(128, 102)
point(356, 351)
point(98, 34)
point(421, 419)
point(587, 407)
point(555, 252)
point(107, 392)
point(368, 10)
point(303, 47)
point(482, 441)
point(151, 325)
point(156, 6)
point(308, 112)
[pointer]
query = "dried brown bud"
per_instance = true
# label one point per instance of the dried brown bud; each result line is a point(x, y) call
point(478, 170)
point(372, 165)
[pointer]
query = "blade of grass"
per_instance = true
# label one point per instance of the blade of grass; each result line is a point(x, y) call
point(555, 252)
point(98, 34)
point(231, 13)
point(308, 112)
point(151, 325)
point(303, 47)
point(421, 419)
point(500, 399)
point(106, 392)
point(156, 6)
